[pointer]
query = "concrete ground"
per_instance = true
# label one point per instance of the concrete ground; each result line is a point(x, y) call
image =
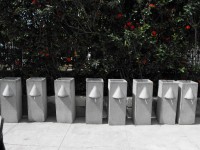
point(51, 135)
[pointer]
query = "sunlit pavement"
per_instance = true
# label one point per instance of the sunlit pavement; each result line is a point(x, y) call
point(51, 135)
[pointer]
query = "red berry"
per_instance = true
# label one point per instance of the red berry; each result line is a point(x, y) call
point(154, 33)
point(152, 5)
point(119, 16)
point(132, 27)
point(68, 59)
point(129, 23)
point(188, 27)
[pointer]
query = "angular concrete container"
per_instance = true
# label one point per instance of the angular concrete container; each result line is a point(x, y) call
point(94, 100)
point(117, 89)
point(187, 102)
point(37, 99)
point(65, 99)
point(142, 101)
point(11, 99)
point(167, 101)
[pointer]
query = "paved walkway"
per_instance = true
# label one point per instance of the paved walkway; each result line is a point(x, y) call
point(51, 135)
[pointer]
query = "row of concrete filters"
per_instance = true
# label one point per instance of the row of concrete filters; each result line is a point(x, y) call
point(117, 101)
point(11, 99)
point(117, 89)
point(65, 100)
point(177, 100)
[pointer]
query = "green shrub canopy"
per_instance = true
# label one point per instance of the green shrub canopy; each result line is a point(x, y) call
point(100, 38)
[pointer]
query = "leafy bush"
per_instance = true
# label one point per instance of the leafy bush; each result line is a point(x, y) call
point(100, 38)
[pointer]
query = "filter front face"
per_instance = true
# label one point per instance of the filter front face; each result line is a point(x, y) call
point(188, 103)
point(0, 90)
point(37, 99)
point(65, 100)
point(9, 98)
point(168, 103)
point(94, 101)
point(117, 105)
point(143, 103)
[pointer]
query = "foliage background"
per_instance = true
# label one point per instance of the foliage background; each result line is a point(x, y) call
point(125, 38)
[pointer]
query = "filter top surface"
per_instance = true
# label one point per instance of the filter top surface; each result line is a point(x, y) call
point(12, 78)
point(94, 80)
point(186, 82)
point(142, 80)
point(167, 81)
point(116, 80)
point(65, 79)
point(36, 79)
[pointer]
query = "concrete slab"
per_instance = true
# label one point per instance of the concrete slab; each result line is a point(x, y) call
point(8, 126)
point(92, 148)
point(85, 136)
point(37, 134)
point(51, 135)
point(21, 147)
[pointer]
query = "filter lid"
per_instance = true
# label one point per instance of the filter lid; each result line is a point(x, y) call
point(94, 93)
point(189, 94)
point(118, 93)
point(169, 94)
point(8, 92)
point(144, 93)
point(62, 92)
point(34, 91)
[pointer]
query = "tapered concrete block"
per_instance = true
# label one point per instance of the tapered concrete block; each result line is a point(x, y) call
point(37, 99)
point(65, 99)
point(187, 101)
point(167, 101)
point(94, 100)
point(117, 101)
point(11, 99)
point(142, 101)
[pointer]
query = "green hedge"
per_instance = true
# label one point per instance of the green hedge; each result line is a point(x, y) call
point(125, 39)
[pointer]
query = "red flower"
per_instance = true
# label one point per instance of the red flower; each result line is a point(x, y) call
point(75, 53)
point(68, 59)
point(17, 62)
point(132, 27)
point(129, 23)
point(59, 13)
point(138, 24)
point(34, 1)
point(47, 55)
point(119, 16)
point(144, 61)
point(125, 26)
point(152, 5)
point(154, 33)
point(188, 27)
point(41, 52)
